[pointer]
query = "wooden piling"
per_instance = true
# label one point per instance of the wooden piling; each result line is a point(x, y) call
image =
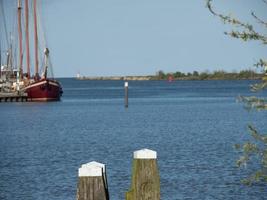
point(126, 94)
point(145, 177)
point(92, 183)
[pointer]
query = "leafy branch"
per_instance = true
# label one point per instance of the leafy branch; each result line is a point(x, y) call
point(258, 19)
point(248, 32)
point(251, 149)
point(253, 103)
point(256, 151)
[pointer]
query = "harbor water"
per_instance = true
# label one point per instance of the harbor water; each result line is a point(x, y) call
point(193, 125)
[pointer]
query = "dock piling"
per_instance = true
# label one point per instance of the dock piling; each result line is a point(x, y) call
point(92, 183)
point(145, 176)
point(126, 94)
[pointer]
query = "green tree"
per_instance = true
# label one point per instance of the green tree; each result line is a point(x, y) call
point(178, 74)
point(254, 151)
point(161, 75)
point(204, 75)
point(195, 73)
point(246, 74)
point(219, 74)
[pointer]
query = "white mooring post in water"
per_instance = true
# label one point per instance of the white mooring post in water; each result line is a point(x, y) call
point(145, 176)
point(126, 94)
point(92, 183)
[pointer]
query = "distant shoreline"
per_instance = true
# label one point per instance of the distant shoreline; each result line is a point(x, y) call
point(151, 78)
point(195, 75)
point(116, 78)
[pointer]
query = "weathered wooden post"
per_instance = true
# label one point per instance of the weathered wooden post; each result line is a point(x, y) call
point(126, 94)
point(92, 183)
point(145, 176)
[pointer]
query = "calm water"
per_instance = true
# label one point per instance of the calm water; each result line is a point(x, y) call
point(193, 126)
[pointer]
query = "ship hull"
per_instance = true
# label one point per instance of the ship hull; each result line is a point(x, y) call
point(44, 90)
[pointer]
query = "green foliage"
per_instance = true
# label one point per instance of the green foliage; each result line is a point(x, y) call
point(261, 63)
point(189, 74)
point(195, 73)
point(253, 102)
point(252, 151)
point(248, 32)
point(203, 75)
point(178, 74)
point(256, 177)
point(161, 75)
point(220, 74)
point(216, 75)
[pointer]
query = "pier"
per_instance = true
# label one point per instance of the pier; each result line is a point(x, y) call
point(13, 97)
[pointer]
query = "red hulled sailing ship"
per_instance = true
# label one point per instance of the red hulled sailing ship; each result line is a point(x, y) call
point(38, 88)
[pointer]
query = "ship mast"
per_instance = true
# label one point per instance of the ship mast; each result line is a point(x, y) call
point(35, 38)
point(20, 40)
point(27, 38)
point(0, 59)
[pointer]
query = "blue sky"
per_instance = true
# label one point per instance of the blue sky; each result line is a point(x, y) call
point(140, 37)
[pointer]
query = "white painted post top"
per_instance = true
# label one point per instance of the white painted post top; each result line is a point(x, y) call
point(126, 84)
point(145, 154)
point(91, 169)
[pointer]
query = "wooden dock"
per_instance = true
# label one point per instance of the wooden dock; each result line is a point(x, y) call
point(13, 97)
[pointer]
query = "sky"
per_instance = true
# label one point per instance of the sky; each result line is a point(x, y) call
point(141, 37)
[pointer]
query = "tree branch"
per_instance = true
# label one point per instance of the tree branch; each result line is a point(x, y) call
point(253, 103)
point(248, 34)
point(259, 20)
point(254, 133)
point(228, 19)
point(261, 63)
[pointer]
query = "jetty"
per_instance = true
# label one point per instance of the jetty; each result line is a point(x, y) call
point(13, 97)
